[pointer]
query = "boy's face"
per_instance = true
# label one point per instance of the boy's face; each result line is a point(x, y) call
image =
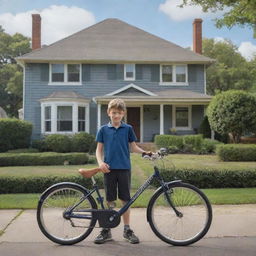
point(116, 115)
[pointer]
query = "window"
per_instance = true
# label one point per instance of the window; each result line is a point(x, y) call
point(81, 119)
point(173, 75)
point(167, 73)
point(129, 72)
point(181, 117)
point(57, 72)
point(47, 118)
point(65, 73)
point(64, 119)
point(73, 72)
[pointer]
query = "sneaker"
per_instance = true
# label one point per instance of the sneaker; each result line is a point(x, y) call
point(105, 235)
point(131, 237)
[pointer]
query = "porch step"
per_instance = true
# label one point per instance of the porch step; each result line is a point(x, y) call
point(148, 146)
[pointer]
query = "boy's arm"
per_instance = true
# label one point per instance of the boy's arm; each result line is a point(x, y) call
point(99, 155)
point(135, 148)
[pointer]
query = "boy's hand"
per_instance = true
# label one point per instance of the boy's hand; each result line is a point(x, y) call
point(104, 168)
point(147, 153)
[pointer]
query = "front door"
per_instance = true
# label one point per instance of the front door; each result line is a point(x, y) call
point(133, 118)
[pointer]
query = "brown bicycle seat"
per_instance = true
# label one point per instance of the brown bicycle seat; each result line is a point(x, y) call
point(88, 173)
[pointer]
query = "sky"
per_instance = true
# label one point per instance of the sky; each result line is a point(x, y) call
point(61, 18)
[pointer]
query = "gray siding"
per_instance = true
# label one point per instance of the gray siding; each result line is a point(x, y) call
point(101, 79)
point(151, 122)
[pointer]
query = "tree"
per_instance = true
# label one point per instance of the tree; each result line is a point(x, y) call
point(11, 73)
point(239, 12)
point(233, 112)
point(230, 71)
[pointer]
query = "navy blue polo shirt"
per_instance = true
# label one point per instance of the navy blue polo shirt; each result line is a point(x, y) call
point(116, 145)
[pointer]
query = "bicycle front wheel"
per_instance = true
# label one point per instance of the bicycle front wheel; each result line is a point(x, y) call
point(189, 223)
point(51, 214)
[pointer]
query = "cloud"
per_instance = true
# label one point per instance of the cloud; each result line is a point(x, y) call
point(58, 21)
point(171, 9)
point(247, 49)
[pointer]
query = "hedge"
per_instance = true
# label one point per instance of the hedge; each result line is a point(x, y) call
point(236, 152)
point(47, 158)
point(213, 178)
point(14, 134)
point(186, 144)
point(15, 184)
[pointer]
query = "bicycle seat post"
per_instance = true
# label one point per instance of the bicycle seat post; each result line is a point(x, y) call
point(93, 181)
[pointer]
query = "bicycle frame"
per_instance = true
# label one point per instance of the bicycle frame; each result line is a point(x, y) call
point(156, 175)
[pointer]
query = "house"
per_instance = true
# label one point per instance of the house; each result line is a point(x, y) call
point(68, 84)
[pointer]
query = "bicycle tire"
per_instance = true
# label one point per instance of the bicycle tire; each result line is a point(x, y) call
point(51, 207)
point(184, 230)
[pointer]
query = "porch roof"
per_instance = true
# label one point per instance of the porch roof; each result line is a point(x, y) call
point(171, 96)
point(65, 96)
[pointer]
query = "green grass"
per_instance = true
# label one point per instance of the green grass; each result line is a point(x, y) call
point(216, 196)
point(140, 171)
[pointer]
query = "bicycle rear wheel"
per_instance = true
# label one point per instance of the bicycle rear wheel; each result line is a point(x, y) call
point(193, 222)
point(52, 208)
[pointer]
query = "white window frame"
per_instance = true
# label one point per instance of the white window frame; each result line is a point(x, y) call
point(54, 105)
point(174, 82)
point(65, 75)
point(189, 127)
point(134, 70)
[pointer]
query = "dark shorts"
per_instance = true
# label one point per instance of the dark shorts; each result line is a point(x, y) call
point(117, 181)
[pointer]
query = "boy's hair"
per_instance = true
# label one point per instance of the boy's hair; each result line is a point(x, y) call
point(117, 104)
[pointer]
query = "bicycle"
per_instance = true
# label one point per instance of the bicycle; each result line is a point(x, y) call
point(178, 213)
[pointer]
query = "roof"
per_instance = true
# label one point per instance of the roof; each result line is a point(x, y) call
point(164, 96)
point(65, 95)
point(116, 41)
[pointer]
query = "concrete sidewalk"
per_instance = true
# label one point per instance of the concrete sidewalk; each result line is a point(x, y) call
point(228, 221)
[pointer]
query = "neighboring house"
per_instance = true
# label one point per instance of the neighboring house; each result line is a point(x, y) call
point(68, 84)
point(2, 113)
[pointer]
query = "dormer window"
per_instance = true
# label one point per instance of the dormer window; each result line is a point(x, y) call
point(65, 74)
point(129, 72)
point(174, 75)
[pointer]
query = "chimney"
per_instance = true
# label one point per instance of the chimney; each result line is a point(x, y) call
point(197, 36)
point(36, 31)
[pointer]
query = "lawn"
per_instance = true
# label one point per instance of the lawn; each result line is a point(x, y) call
point(141, 170)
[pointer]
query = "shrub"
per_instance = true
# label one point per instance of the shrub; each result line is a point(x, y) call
point(205, 128)
point(47, 158)
point(192, 143)
point(212, 178)
point(209, 146)
point(40, 145)
point(11, 184)
point(14, 134)
point(83, 142)
point(233, 112)
point(164, 141)
point(58, 143)
point(237, 152)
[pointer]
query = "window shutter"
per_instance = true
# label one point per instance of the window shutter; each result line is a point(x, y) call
point(139, 71)
point(86, 72)
point(120, 71)
point(111, 69)
point(44, 72)
point(155, 73)
point(192, 72)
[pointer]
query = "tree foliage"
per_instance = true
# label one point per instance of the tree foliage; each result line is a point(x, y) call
point(238, 12)
point(11, 73)
point(233, 112)
point(230, 71)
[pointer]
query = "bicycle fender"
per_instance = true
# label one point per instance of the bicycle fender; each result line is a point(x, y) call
point(161, 188)
point(62, 183)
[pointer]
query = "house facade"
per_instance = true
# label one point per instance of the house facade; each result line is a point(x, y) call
point(67, 85)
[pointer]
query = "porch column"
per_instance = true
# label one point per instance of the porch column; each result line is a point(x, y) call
point(99, 117)
point(162, 119)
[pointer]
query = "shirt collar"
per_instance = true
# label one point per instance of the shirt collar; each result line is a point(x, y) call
point(122, 125)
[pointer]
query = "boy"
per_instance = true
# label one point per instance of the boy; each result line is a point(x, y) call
point(114, 139)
